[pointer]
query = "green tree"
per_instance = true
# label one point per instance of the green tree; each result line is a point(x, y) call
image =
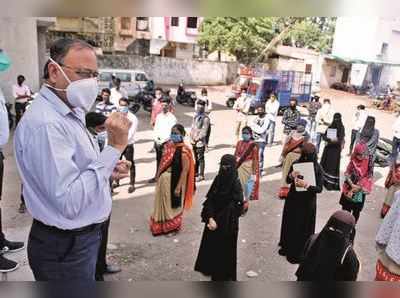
point(247, 38)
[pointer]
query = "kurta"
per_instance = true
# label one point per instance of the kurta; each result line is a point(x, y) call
point(218, 249)
point(298, 219)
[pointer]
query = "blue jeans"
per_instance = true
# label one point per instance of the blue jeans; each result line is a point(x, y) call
point(271, 133)
point(261, 149)
point(63, 256)
point(318, 139)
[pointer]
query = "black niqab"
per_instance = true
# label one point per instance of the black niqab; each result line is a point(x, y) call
point(368, 130)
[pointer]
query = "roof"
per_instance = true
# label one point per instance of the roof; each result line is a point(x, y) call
point(293, 52)
point(361, 60)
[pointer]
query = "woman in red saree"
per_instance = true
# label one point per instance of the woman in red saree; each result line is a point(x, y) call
point(247, 163)
point(393, 185)
point(175, 185)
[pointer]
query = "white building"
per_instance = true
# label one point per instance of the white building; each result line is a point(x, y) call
point(24, 41)
point(372, 41)
point(175, 36)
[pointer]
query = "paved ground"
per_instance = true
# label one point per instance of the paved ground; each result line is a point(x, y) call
point(144, 257)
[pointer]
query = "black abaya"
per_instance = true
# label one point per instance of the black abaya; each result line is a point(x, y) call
point(298, 219)
point(217, 255)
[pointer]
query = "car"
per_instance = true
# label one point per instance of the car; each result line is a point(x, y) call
point(132, 80)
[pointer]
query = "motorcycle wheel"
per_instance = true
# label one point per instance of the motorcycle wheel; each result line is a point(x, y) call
point(191, 102)
point(147, 108)
point(180, 99)
point(230, 102)
point(134, 108)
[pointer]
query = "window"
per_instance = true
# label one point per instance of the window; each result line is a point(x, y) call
point(192, 22)
point(126, 23)
point(384, 49)
point(140, 77)
point(124, 76)
point(175, 21)
point(142, 24)
point(105, 76)
point(308, 68)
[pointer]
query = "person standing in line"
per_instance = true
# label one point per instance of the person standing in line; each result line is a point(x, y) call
point(129, 152)
point(22, 94)
point(359, 118)
point(217, 256)
point(331, 156)
point(208, 108)
point(175, 185)
point(6, 246)
point(300, 209)
point(157, 106)
point(330, 255)
point(271, 111)
point(242, 106)
point(162, 131)
point(392, 184)
point(290, 118)
point(117, 92)
point(324, 118)
point(95, 123)
point(396, 138)
point(313, 109)
point(198, 136)
point(65, 177)
point(369, 135)
point(105, 107)
point(259, 126)
point(246, 154)
point(388, 245)
point(358, 182)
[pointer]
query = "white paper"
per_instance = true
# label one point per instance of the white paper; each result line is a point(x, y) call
point(305, 169)
point(331, 134)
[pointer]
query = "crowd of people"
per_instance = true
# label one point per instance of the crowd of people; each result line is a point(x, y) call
point(72, 152)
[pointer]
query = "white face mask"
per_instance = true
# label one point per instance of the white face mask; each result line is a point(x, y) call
point(81, 93)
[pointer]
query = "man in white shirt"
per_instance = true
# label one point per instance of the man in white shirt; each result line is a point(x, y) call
point(359, 118)
point(129, 152)
point(271, 111)
point(242, 106)
point(260, 125)
point(396, 139)
point(324, 118)
point(162, 130)
point(21, 94)
point(118, 92)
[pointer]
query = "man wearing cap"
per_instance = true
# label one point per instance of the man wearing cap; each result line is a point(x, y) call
point(198, 135)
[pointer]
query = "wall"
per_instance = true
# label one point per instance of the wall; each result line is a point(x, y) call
point(18, 38)
point(326, 79)
point(171, 71)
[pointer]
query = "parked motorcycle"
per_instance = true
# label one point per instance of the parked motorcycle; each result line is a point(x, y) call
point(185, 97)
point(383, 152)
point(144, 98)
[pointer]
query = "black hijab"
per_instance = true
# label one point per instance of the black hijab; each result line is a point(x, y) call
point(308, 153)
point(338, 125)
point(227, 176)
point(328, 251)
point(369, 129)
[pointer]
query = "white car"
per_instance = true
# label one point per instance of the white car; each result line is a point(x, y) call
point(132, 80)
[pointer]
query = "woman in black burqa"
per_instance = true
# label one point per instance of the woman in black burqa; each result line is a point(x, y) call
point(217, 255)
point(300, 209)
point(330, 161)
point(329, 255)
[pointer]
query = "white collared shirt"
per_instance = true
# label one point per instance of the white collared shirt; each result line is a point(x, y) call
point(163, 126)
point(18, 90)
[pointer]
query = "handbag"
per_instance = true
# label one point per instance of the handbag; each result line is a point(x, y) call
point(357, 197)
point(283, 193)
point(248, 189)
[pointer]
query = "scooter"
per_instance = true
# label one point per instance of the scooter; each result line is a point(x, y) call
point(185, 97)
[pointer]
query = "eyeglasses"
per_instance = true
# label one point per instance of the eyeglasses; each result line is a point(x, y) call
point(83, 73)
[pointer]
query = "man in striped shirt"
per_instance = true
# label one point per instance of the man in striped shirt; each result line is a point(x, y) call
point(106, 107)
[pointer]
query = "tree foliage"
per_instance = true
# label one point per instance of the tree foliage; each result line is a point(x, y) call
point(246, 37)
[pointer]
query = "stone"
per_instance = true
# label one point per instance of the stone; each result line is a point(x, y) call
point(111, 246)
point(251, 274)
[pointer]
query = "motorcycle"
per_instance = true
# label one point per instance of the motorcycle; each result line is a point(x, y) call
point(185, 97)
point(144, 98)
point(383, 152)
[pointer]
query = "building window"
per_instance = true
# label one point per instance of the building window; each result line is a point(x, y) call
point(142, 24)
point(308, 68)
point(384, 49)
point(175, 21)
point(125, 23)
point(192, 22)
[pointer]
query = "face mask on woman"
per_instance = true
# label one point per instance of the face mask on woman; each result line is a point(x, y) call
point(246, 136)
point(123, 109)
point(176, 138)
